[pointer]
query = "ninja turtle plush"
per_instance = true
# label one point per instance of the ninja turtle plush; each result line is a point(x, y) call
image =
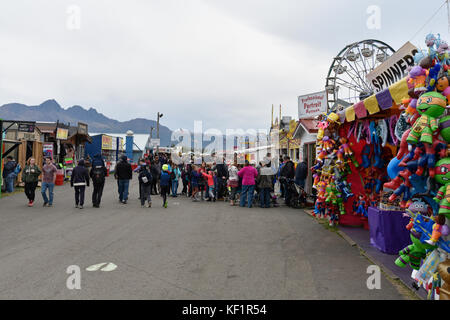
point(420, 228)
point(443, 198)
point(430, 106)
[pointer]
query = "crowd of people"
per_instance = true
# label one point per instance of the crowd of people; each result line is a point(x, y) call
point(245, 184)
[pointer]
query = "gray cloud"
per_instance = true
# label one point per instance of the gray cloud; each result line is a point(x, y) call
point(223, 62)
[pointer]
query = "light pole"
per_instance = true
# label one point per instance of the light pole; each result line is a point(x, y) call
point(157, 128)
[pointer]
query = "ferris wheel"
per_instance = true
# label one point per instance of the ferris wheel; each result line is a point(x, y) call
point(346, 82)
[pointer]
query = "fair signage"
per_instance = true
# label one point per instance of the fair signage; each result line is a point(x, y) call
point(311, 105)
point(393, 69)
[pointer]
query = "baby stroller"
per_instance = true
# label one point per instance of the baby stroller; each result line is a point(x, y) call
point(298, 195)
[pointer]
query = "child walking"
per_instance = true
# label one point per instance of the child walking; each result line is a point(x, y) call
point(145, 182)
point(209, 176)
point(164, 183)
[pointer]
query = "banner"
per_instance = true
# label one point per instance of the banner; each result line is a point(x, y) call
point(47, 149)
point(107, 143)
point(61, 133)
point(312, 105)
point(393, 69)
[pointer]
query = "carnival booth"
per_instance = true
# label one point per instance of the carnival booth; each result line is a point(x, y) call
point(384, 163)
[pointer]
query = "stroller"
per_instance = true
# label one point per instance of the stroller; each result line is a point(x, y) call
point(298, 194)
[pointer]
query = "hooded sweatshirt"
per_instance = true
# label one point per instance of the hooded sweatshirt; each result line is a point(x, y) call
point(80, 175)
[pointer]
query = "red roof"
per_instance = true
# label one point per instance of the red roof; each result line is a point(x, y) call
point(310, 125)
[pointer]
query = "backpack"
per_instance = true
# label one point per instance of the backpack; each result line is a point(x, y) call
point(145, 177)
point(97, 175)
point(172, 175)
point(17, 169)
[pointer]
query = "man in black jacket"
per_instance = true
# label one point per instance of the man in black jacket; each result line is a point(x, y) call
point(123, 173)
point(301, 173)
point(222, 176)
point(287, 172)
point(98, 174)
point(79, 179)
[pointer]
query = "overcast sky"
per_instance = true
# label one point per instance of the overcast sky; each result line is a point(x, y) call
point(221, 61)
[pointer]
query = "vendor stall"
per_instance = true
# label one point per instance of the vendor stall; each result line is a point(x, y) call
point(387, 157)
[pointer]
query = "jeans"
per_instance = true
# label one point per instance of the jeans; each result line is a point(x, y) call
point(300, 182)
point(97, 193)
point(9, 180)
point(123, 189)
point(174, 187)
point(220, 188)
point(247, 192)
point(211, 192)
point(44, 187)
point(79, 195)
point(264, 197)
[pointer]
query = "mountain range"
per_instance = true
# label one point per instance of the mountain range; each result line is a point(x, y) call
point(51, 111)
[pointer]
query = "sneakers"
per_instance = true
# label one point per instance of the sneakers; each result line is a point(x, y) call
point(80, 207)
point(44, 204)
point(142, 206)
point(165, 204)
point(77, 206)
point(149, 205)
point(30, 203)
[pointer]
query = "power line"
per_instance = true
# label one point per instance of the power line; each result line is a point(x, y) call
point(428, 21)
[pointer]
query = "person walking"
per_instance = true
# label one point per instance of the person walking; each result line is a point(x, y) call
point(209, 176)
point(30, 177)
point(155, 170)
point(145, 183)
point(138, 170)
point(48, 181)
point(164, 182)
point(233, 182)
point(123, 173)
point(264, 182)
point(98, 173)
point(9, 175)
point(79, 180)
point(222, 176)
point(301, 172)
point(248, 175)
point(195, 175)
point(287, 172)
point(176, 174)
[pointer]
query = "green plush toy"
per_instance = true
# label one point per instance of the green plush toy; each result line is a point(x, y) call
point(430, 106)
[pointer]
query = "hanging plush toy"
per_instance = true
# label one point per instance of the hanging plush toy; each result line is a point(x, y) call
point(414, 253)
point(443, 198)
point(418, 77)
point(431, 106)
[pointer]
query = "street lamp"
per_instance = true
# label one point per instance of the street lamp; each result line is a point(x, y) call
point(157, 128)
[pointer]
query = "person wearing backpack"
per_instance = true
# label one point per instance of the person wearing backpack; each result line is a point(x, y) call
point(98, 173)
point(79, 179)
point(145, 181)
point(30, 177)
point(10, 173)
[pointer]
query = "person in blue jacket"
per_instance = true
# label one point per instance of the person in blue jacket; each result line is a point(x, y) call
point(165, 183)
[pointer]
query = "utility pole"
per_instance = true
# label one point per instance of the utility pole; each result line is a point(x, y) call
point(159, 115)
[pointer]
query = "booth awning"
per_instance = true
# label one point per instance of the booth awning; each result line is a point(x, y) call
point(378, 102)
